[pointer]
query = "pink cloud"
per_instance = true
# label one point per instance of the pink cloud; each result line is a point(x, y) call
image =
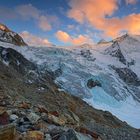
point(33, 40)
point(44, 23)
point(131, 1)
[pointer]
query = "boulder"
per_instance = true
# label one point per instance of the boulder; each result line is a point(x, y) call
point(4, 117)
point(73, 135)
point(7, 132)
point(42, 109)
point(55, 113)
point(33, 117)
point(13, 118)
point(24, 125)
point(24, 105)
point(34, 135)
point(2, 110)
point(48, 137)
point(56, 132)
point(43, 126)
point(61, 120)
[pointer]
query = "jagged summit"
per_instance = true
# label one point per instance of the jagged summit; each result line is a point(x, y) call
point(102, 41)
point(130, 37)
point(4, 28)
point(8, 36)
point(121, 38)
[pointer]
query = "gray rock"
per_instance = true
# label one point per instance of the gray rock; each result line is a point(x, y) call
point(13, 118)
point(72, 135)
point(33, 117)
point(48, 137)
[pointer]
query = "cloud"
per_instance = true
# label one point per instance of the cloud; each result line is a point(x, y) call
point(131, 1)
point(28, 12)
point(63, 36)
point(33, 40)
point(115, 26)
point(80, 40)
point(44, 24)
point(91, 10)
point(66, 38)
point(99, 14)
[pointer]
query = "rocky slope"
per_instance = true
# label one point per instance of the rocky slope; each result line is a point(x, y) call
point(35, 99)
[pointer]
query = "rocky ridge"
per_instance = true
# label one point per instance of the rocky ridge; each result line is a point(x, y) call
point(6, 35)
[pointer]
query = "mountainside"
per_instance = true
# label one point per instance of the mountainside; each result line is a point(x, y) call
point(115, 65)
point(38, 83)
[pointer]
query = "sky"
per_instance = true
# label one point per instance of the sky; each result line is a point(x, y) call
point(70, 22)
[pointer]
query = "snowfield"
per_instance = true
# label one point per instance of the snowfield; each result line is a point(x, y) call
point(74, 66)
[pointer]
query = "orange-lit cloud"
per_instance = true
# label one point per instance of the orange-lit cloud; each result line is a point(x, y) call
point(63, 36)
point(131, 1)
point(91, 10)
point(114, 26)
point(98, 12)
point(34, 40)
point(66, 38)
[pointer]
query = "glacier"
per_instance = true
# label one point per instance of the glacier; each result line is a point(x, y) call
point(127, 110)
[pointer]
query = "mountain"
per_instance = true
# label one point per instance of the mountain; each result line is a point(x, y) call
point(115, 65)
point(6, 35)
point(54, 91)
